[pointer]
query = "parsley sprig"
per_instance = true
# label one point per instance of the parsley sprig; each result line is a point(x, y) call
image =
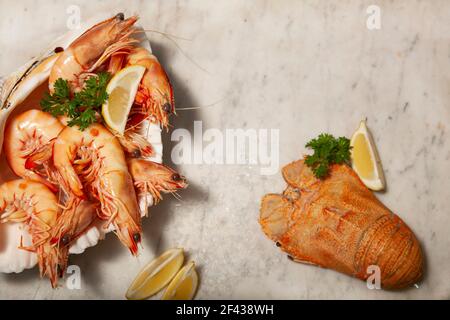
point(81, 107)
point(327, 151)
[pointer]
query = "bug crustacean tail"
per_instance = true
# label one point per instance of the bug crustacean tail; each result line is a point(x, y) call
point(338, 223)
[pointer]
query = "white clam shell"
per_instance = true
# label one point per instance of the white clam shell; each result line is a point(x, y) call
point(13, 259)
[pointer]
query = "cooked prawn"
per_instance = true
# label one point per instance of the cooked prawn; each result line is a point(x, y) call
point(92, 49)
point(133, 142)
point(29, 139)
point(154, 98)
point(35, 205)
point(93, 162)
point(155, 178)
point(77, 216)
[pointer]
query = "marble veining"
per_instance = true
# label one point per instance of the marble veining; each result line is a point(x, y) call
point(302, 67)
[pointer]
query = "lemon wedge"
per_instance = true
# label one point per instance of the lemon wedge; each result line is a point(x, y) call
point(156, 275)
point(184, 285)
point(365, 159)
point(121, 89)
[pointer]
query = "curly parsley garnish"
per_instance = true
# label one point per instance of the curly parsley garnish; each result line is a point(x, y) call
point(327, 151)
point(81, 108)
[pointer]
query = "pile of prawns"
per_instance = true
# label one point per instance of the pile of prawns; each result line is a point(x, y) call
point(70, 178)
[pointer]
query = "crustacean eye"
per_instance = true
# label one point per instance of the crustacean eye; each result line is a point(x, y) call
point(137, 237)
point(167, 108)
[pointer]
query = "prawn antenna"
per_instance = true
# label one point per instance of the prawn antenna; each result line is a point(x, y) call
point(202, 107)
point(177, 196)
point(172, 39)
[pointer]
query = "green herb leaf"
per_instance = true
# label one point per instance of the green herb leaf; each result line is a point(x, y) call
point(84, 120)
point(57, 103)
point(327, 151)
point(81, 108)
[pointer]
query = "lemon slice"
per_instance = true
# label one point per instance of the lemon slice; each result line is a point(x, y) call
point(184, 285)
point(121, 91)
point(156, 275)
point(365, 159)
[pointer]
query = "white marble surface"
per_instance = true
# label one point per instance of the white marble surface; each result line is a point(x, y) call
point(302, 67)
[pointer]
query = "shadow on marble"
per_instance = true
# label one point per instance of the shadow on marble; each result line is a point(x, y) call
point(26, 276)
point(183, 98)
point(160, 214)
point(90, 262)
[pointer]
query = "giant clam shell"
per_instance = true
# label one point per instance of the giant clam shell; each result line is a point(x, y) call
point(14, 90)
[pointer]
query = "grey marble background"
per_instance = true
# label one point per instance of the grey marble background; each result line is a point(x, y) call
point(302, 67)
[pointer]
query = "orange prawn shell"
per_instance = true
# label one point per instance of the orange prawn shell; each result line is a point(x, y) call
point(155, 76)
point(21, 129)
point(107, 177)
point(35, 205)
point(339, 224)
point(156, 89)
